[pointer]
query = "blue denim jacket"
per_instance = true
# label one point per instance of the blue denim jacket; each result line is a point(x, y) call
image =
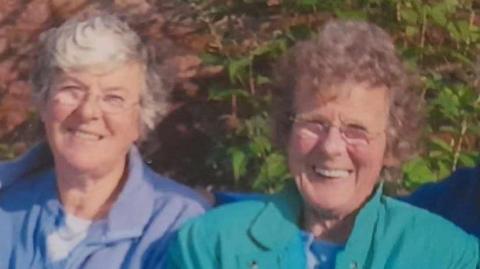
point(149, 209)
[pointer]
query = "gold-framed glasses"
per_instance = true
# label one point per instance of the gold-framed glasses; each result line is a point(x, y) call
point(352, 134)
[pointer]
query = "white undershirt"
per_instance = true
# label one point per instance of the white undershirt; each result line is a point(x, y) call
point(61, 242)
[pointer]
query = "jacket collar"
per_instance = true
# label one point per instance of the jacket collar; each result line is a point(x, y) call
point(359, 243)
point(278, 222)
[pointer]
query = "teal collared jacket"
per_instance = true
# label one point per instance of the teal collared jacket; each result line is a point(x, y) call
point(265, 234)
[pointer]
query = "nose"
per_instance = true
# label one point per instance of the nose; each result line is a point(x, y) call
point(89, 108)
point(333, 143)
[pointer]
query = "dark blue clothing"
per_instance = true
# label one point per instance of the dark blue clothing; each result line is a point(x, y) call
point(326, 254)
point(456, 198)
point(222, 198)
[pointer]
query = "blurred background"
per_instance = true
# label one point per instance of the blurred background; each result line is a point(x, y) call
point(219, 54)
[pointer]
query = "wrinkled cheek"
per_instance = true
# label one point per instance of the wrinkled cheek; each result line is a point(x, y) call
point(368, 163)
point(57, 115)
point(302, 143)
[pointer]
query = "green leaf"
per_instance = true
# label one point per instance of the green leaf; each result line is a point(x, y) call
point(211, 59)
point(409, 15)
point(443, 169)
point(275, 48)
point(474, 129)
point(261, 80)
point(351, 14)
point(411, 31)
point(308, 3)
point(260, 146)
point(467, 159)
point(452, 30)
point(417, 173)
point(438, 14)
point(239, 163)
point(451, 4)
point(301, 32)
point(449, 129)
point(441, 145)
point(238, 69)
point(225, 94)
point(448, 103)
point(273, 167)
point(257, 126)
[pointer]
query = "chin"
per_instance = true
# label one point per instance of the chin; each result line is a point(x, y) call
point(84, 166)
point(327, 205)
point(79, 161)
point(331, 201)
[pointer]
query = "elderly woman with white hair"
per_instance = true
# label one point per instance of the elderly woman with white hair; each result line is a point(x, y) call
point(346, 115)
point(85, 199)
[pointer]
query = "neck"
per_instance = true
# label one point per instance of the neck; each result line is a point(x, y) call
point(89, 195)
point(335, 229)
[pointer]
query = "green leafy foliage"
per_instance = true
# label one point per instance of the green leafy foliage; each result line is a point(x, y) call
point(438, 38)
point(244, 38)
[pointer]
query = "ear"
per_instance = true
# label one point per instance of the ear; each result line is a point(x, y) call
point(142, 131)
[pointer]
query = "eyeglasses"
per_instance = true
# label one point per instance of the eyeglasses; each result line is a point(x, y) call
point(351, 134)
point(111, 103)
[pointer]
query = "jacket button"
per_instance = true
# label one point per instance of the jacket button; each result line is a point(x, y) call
point(253, 265)
point(353, 265)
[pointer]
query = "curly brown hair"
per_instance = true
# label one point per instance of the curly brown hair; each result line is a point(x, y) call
point(355, 52)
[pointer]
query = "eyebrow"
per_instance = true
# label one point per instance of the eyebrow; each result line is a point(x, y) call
point(350, 121)
point(64, 78)
point(310, 116)
point(315, 116)
point(115, 89)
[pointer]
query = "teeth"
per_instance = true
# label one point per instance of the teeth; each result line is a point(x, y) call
point(86, 135)
point(331, 172)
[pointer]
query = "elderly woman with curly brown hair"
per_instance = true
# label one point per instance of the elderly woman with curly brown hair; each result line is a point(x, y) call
point(346, 116)
point(85, 198)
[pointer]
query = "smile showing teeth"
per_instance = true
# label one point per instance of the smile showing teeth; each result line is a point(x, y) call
point(85, 135)
point(333, 173)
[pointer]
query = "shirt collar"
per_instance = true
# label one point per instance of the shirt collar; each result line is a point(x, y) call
point(135, 197)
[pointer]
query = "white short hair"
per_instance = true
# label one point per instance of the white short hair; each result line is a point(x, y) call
point(100, 41)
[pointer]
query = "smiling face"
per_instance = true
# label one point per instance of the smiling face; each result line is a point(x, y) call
point(336, 174)
point(82, 135)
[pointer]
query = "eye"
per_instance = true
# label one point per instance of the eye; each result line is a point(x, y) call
point(114, 99)
point(70, 89)
point(317, 126)
point(311, 129)
point(68, 94)
point(354, 131)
